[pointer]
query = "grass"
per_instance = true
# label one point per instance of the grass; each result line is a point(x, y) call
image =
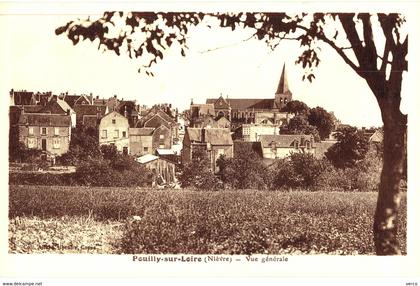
point(100, 220)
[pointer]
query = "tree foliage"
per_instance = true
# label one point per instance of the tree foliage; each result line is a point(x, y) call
point(322, 120)
point(351, 147)
point(198, 175)
point(299, 170)
point(245, 170)
point(84, 145)
point(296, 107)
point(300, 125)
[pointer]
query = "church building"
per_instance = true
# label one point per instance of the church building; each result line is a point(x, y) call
point(251, 110)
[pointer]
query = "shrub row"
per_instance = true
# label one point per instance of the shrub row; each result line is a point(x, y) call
point(122, 172)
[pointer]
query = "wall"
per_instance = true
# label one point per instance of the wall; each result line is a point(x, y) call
point(138, 143)
point(63, 136)
point(166, 142)
point(252, 132)
point(121, 124)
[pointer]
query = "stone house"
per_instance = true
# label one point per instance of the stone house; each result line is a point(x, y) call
point(281, 146)
point(215, 142)
point(168, 131)
point(48, 132)
point(113, 130)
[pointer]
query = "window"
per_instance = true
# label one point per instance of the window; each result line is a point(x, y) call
point(43, 130)
point(296, 143)
point(31, 130)
point(162, 146)
point(104, 135)
point(32, 143)
point(145, 149)
point(161, 136)
point(113, 121)
point(56, 143)
point(56, 131)
point(116, 133)
point(124, 134)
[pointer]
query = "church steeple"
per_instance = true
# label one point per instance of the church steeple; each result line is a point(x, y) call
point(283, 87)
point(283, 94)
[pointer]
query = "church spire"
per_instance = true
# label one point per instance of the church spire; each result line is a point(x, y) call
point(283, 87)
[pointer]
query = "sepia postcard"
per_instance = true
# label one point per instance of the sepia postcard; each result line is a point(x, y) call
point(210, 139)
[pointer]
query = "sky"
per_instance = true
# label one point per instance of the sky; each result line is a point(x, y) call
point(38, 60)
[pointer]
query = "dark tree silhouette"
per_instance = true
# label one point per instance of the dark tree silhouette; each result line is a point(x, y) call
point(322, 120)
point(351, 147)
point(148, 35)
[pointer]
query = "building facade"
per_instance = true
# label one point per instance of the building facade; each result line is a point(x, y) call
point(215, 142)
point(47, 132)
point(113, 130)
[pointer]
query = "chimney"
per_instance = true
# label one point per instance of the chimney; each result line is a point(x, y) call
point(115, 96)
point(125, 111)
point(68, 111)
point(97, 97)
point(192, 101)
point(203, 135)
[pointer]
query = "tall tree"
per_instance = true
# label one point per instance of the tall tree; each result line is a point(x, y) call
point(148, 35)
point(296, 107)
point(322, 120)
point(351, 147)
point(300, 125)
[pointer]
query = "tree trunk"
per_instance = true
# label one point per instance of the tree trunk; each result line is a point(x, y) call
point(385, 226)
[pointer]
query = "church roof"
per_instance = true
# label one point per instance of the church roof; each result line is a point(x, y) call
point(246, 103)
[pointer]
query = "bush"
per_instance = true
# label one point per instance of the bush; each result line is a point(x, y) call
point(198, 175)
point(300, 170)
point(245, 171)
point(124, 172)
point(363, 176)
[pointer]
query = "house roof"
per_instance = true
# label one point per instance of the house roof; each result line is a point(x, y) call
point(165, 152)
point(214, 136)
point(41, 119)
point(155, 112)
point(72, 99)
point(85, 109)
point(32, 108)
point(53, 107)
point(246, 103)
point(64, 105)
point(145, 131)
point(283, 140)
point(147, 158)
point(377, 137)
point(23, 97)
point(203, 109)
